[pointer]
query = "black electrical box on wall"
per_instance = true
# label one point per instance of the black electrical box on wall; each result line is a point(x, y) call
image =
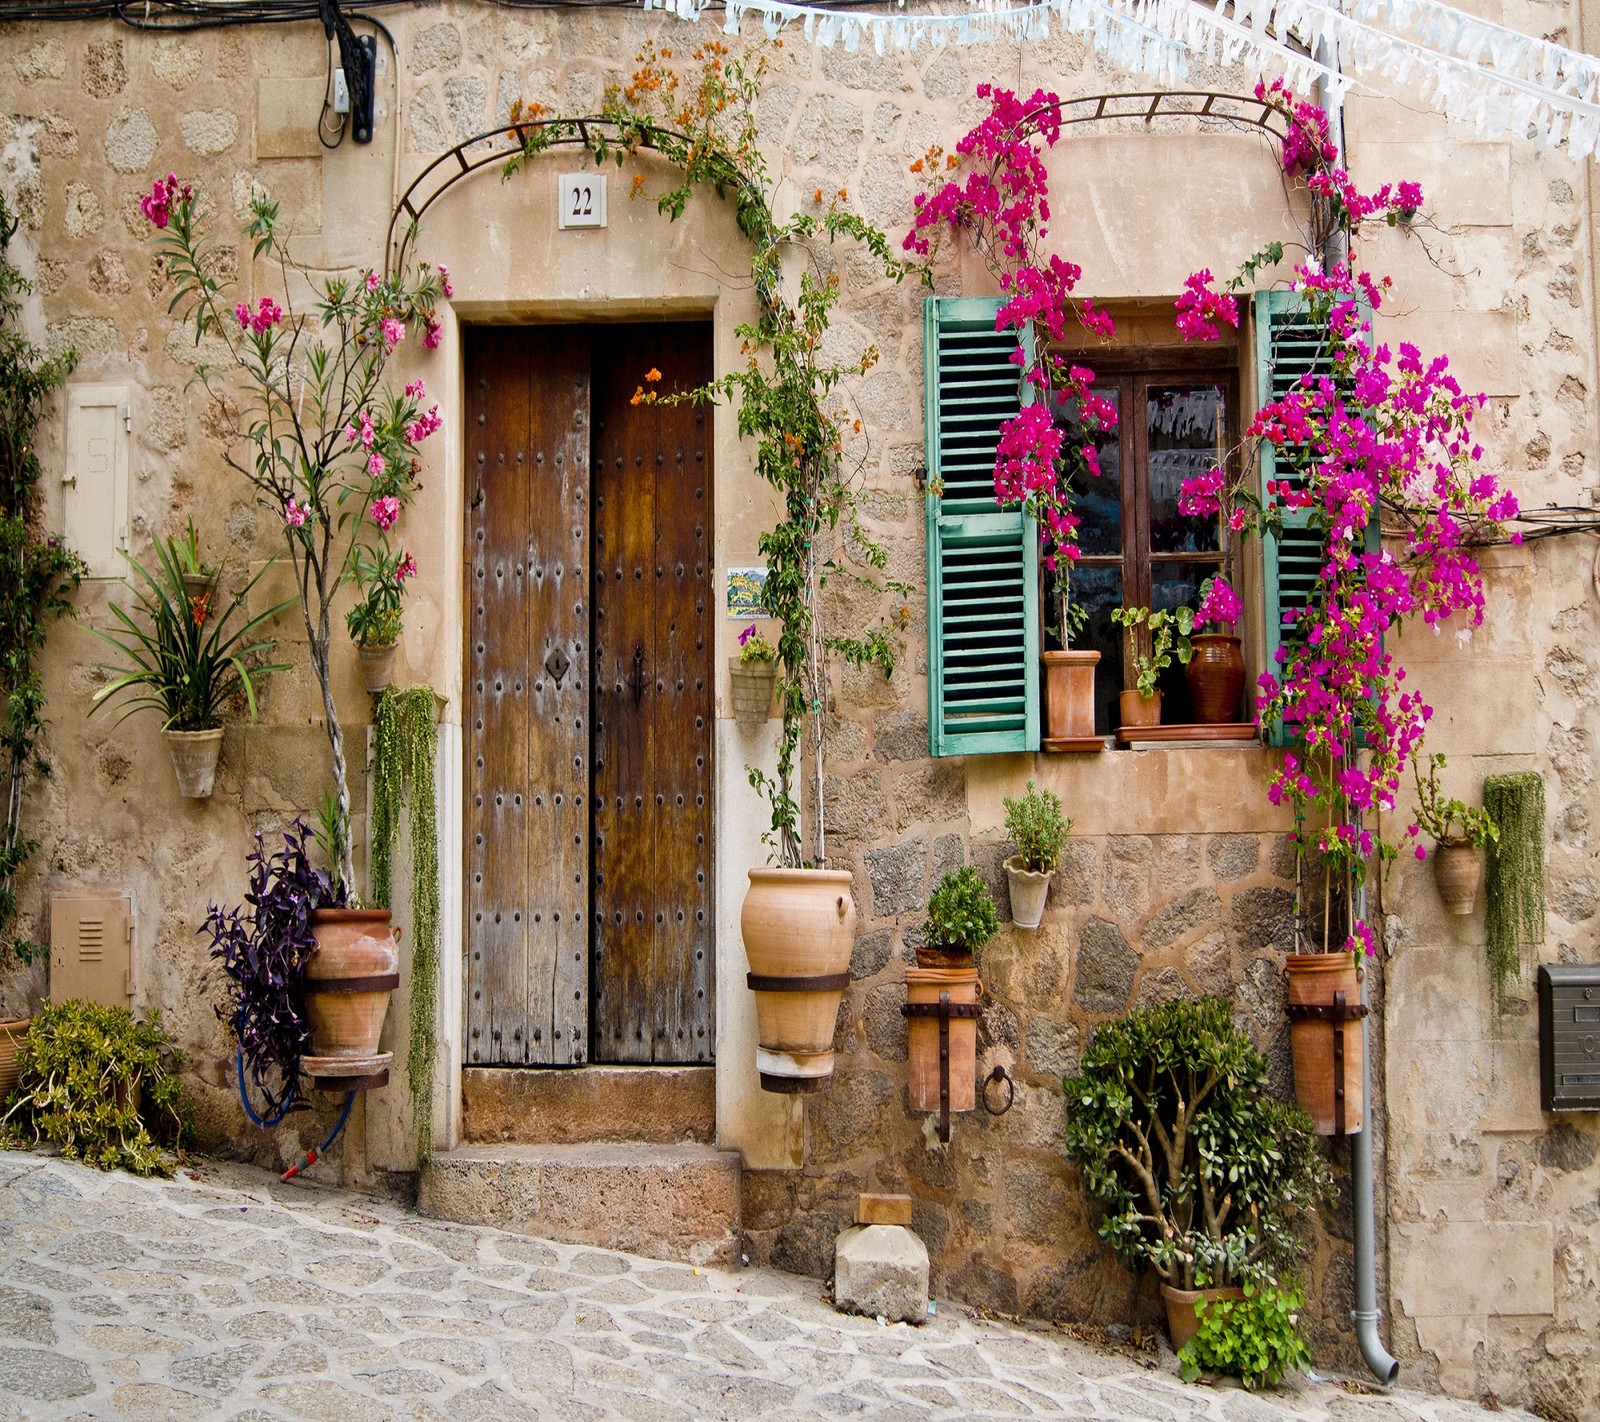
point(1569, 1036)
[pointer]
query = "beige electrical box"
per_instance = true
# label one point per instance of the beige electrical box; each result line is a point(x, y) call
point(95, 475)
point(91, 948)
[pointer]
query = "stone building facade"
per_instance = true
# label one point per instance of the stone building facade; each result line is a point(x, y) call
point(1177, 879)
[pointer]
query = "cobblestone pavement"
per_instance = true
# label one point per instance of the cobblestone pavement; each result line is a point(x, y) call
point(224, 1294)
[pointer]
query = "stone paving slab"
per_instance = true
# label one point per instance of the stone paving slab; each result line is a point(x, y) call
point(227, 1294)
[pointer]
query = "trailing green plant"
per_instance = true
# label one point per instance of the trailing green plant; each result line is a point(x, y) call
point(1438, 816)
point(1037, 827)
point(1255, 1339)
point(1198, 1173)
point(178, 655)
point(100, 1086)
point(1514, 884)
point(1157, 637)
point(785, 391)
point(961, 913)
point(38, 575)
point(405, 738)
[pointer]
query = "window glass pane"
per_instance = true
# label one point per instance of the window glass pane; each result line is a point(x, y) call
point(1187, 428)
point(1098, 590)
point(1097, 502)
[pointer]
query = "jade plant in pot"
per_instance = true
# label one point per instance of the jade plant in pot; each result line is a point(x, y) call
point(187, 656)
point(1153, 639)
point(1039, 830)
point(1197, 1173)
point(961, 919)
point(1460, 834)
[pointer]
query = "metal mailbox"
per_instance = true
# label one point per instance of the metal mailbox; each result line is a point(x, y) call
point(1569, 1036)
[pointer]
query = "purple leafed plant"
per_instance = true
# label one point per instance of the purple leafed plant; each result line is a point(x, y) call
point(263, 946)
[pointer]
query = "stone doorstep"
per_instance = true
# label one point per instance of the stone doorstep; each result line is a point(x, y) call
point(677, 1202)
point(578, 1105)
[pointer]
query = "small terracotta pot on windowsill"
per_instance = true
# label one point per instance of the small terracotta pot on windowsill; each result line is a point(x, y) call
point(1138, 709)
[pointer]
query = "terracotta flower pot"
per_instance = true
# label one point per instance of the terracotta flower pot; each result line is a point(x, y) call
point(194, 760)
point(1313, 980)
point(1181, 1321)
point(348, 981)
point(199, 584)
point(923, 986)
point(752, 685)
point(1139, 710)
point(377, 666)
point(1215, 676)
point(1069, 694)
point(11, 1037)
point(1458, 870)
point(799, 926)
point(1029, 890)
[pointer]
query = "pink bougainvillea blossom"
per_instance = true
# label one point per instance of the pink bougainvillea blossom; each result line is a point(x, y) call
point(1200, 310)
point(385, 511)
point(1220, 606)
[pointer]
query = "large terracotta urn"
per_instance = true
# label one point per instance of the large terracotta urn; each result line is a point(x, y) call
point(1324, 1058)
point(348, 981)
point(799, 926)
point(1215, 677)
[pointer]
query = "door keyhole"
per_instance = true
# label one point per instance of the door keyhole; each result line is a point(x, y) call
point(556, 664)
point(638, 674)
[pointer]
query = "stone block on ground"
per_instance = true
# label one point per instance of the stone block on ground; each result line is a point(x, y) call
point(881, 1271)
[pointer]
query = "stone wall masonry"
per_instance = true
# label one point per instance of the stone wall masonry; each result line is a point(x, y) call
point(1175, 880)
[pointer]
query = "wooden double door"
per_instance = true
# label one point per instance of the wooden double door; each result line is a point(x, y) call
point(588, 696)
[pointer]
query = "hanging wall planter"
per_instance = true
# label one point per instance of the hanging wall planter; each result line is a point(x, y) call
point(347, 985)
point(1325, 1011)
point(942, 1008)
point(799, 926)
point(752, 685)
point(1029, 892)
point(1457, 870)
point(194, 760)
point(12, 1034)
point(377, 666)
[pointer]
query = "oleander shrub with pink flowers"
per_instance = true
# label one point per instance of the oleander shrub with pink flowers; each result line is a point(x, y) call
point(319, 431)
point(1387, 433)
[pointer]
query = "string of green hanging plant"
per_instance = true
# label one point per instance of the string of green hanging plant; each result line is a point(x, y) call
point(405, 737)
point(1515, 888)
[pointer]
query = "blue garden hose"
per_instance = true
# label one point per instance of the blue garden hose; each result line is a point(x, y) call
point(313, 1155)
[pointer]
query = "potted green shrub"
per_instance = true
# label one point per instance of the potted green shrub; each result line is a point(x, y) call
point(1039, 830)
point(753, 676)
point(1197, 1173)
point(180, 658)
point(1154, 639)
point(1457, 861)
point(961, 919)
point(199, 576)
point(1255, 1338)
point(375, 622)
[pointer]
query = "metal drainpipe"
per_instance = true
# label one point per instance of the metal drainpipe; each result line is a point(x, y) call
point(1366, 1313)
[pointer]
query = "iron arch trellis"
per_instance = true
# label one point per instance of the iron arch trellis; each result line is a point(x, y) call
point(625, 136)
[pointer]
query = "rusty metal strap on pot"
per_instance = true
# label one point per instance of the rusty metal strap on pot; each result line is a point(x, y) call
point(822, 982)
point(380, 982)
point(1328, 1011)
point(941, 1009)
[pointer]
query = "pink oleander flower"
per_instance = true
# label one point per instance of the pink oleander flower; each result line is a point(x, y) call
point(431, 334)
point(351, 434)
point(294, 514)
point(372, 281)
point(393, 332)
point(369, 431)
point(241, 314)
point(424, 425)
point(406, 568)
point(156, 205)
point(268, 314)
point(376, 464)
point(415, 390)
point(385, 510)
point(444, 278)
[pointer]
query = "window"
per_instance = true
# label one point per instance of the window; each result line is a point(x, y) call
point(1177, 418)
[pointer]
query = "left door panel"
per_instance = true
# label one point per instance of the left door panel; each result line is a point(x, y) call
point(527, 693)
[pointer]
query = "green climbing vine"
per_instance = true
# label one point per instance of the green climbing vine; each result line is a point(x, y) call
point(405, 736)
point(1515, 920)
point(37, 576)
point(790, 390)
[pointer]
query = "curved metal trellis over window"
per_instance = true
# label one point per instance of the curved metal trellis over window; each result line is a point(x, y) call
point(1190, 108)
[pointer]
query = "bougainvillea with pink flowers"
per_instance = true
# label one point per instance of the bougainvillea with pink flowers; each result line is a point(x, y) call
point(996, 191)
point(1388, 431)
point(327, 444)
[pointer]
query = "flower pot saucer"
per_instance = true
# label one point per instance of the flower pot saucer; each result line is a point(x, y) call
point(365, 1073)
point(1070, 745)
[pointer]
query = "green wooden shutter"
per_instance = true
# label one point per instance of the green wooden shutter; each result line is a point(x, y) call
point(983, 563)
point(1290, 345)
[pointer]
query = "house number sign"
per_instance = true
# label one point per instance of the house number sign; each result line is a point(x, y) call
point(581, 200)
